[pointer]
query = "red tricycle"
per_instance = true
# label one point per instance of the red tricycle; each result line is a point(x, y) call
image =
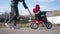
point(35, 23)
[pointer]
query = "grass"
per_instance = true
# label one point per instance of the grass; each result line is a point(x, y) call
point(2, 25)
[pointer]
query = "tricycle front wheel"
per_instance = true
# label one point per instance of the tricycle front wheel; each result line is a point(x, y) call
point(34, 26)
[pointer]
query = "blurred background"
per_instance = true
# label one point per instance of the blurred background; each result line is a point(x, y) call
point(52, 7)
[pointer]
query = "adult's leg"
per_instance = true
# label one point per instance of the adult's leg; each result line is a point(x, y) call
point(14, 8)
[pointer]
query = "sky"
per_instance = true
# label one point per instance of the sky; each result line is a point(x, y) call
point(46, 5)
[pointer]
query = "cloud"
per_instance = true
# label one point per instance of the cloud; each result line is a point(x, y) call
point(43, 8)
point(45, 0)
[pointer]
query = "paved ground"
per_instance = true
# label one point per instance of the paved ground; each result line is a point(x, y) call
point(41, 30)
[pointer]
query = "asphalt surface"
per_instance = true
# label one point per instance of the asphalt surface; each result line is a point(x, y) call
point(41, 30)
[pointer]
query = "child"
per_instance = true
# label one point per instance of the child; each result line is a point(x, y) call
point(37, 12)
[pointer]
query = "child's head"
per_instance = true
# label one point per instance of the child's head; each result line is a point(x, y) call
point(36, 9)
point(37, 6)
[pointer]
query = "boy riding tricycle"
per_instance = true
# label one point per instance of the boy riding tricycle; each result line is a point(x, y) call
point(40, 17)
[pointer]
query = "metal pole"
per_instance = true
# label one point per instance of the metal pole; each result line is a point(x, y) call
point(30, 12)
